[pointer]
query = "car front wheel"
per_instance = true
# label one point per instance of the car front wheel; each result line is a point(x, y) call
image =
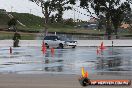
point(47, 46)
point(61, 46)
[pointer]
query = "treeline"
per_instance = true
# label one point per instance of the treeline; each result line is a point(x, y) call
point(112, 10)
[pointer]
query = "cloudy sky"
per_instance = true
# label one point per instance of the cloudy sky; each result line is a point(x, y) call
point(25, 6)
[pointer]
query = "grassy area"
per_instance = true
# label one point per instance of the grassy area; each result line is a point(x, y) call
point(24, 36)
point(35, 23)
point(30, 20)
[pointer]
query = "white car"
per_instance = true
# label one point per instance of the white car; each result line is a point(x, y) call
point(56, 42)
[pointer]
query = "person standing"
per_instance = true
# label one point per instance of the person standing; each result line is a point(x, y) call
point(16, 39)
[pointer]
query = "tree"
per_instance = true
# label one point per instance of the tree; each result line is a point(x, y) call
point(46, 8)
point(60, 6)
point(113, 10)
point(129, 1)
point(49, 6)
point(128, 19)
point(12, 23)
point(52, 19)
point(119, 15)
point(69, 21)
point(101, 22)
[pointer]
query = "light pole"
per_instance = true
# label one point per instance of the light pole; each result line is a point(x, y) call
point(30, 11)
point(11, 8)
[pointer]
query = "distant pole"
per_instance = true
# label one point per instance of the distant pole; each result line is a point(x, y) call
point(10, 50)
point(30, 11)
point(11, 8)
point(112, 43)
point(78, 17)
point(73, 14)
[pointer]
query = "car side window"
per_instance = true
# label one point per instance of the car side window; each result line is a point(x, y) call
point(47, 38)
point(51, 38)
point(57, 38)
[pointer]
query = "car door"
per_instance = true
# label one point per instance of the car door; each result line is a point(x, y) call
point(52, 41)
point(55, 41)
point(49, 40)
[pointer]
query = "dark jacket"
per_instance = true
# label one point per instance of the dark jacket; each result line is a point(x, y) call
point(16, 36)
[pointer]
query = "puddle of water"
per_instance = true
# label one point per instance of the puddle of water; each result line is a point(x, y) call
point(65, 61)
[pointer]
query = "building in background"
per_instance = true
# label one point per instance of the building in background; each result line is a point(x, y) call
point(2, 11)
point(91, 24)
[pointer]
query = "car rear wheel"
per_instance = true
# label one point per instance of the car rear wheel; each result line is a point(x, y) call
point(61, 46)
point(47, 46)
point(73, 47)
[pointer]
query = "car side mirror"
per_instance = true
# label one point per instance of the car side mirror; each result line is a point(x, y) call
point(55, 39)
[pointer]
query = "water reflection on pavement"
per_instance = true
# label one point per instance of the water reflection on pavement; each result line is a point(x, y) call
point(65, 61)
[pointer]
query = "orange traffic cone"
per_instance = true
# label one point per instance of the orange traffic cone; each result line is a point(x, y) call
point(43, 48)
point(102, 47)
point(97, 51)
point(52, 51)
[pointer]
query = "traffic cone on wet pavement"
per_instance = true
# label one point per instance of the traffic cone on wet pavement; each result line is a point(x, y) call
point(102, 47)
point(52, 51)
point(97, 51)
point(43, 48)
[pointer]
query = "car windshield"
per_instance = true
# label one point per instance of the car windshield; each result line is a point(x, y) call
point(51, 38)
point(64, 38)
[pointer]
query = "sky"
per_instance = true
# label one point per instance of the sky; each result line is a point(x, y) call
point(25, 6)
